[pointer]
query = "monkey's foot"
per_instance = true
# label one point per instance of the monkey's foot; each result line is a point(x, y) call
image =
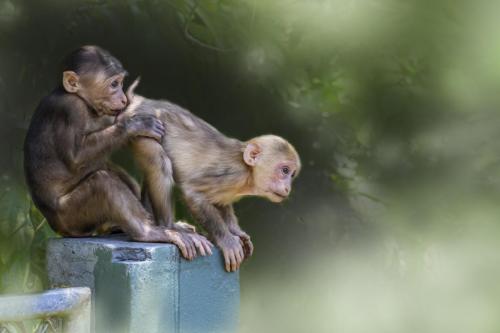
point(232, 249)
point(189, 243)
point(195, 243)
point(182, 243)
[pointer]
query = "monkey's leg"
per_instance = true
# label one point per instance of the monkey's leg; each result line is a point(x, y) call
point(126, 178)
point(146, 202)
point(130, 182)
point(227, 213)
point(158, 178)
point(179, 225)
point(211, 219)
point(157, 191)
point(103, 196)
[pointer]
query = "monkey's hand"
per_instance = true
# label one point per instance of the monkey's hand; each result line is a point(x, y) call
point(245, 240)
point(232, 250)
point(142, 125)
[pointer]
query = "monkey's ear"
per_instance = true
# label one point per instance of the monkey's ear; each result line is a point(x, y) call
point(70, 81)
point(251, 154)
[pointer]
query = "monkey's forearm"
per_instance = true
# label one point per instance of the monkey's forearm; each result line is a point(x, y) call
point(210, 218)
point(97, 144)
point(230, 219)
point(100, 143)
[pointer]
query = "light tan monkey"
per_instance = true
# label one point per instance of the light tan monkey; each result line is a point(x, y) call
point(212, 171)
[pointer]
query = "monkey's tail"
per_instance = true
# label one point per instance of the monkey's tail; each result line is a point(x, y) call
point(131, 88)
point(130, 95)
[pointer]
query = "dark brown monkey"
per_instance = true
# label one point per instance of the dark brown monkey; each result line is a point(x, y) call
point(212, 171)
point(71, 134)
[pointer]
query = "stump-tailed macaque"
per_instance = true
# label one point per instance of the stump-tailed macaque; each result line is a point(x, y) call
point(72, 133)
point(212, 171)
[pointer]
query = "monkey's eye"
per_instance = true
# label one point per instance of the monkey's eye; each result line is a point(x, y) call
point(115, 83)
point(285, 170)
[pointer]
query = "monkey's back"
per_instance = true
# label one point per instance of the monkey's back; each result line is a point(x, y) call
point(43, 168)
point(190, 141)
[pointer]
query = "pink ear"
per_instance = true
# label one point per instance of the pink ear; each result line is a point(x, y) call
point(251, 154)
point(70, 81)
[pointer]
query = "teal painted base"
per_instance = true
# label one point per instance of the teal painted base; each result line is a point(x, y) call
point(146, 287)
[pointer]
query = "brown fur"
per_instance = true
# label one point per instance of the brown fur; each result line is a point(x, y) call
point(66, 151)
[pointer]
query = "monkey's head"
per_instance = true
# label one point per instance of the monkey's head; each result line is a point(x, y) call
point(275, 164)
point(97, 77)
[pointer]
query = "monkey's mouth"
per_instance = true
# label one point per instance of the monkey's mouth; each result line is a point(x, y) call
point(111, 112)
point(280, 196)
point(117, 110)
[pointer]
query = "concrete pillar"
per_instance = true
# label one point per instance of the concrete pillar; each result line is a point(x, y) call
point(146, 287)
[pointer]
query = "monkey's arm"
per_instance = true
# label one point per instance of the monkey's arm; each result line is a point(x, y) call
point(211, 219)
point(231, 221)
point(97, 144)
point(76, 146)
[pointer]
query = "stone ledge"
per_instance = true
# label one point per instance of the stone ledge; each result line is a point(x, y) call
point(146, 287)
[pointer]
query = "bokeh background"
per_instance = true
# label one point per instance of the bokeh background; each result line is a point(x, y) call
point(393, 224)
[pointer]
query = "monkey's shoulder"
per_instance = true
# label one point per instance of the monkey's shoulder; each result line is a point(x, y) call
point(59, 102)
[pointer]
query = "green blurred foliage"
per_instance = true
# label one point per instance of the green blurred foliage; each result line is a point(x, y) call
point(393, 107)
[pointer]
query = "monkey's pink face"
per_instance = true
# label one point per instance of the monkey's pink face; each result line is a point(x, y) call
point(279, 184)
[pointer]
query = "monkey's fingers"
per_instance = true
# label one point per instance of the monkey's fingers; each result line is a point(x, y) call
point(198, 245)
point(206, 245)
point(177, 240)
point(244, 236)
point(159, 131)
point(243, 254)
point(248, 245)
point(227, 262)
point(190, 246)
point(233, 261)
point(159, 126)
point(242, 245)
point(186, 251)
point(239, 256)
point(230, 260)
point(205, 241)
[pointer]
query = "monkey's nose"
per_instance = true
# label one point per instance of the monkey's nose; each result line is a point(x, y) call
point(287, 190)
point(124, 101)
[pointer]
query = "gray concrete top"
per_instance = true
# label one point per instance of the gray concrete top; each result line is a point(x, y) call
point(147, 287)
